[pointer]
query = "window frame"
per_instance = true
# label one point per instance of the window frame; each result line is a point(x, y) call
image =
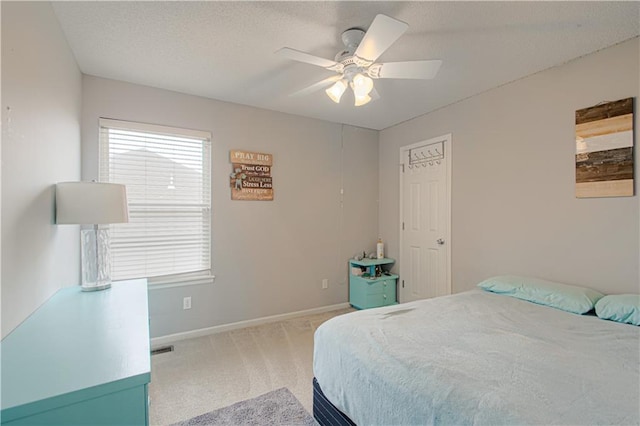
point(169, 280)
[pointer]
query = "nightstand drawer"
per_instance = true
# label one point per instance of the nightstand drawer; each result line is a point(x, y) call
point(379, 286)
point(381, 299)
point(374, 286)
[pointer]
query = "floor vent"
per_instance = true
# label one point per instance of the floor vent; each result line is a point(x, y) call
point(162, 350)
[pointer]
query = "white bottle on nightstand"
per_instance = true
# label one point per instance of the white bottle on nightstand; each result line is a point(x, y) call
point(380, 249)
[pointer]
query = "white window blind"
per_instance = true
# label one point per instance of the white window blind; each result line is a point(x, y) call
point(167, 172)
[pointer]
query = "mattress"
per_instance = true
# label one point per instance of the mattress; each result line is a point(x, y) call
point(479, 358)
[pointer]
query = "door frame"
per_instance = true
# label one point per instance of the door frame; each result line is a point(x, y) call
point(448, 161)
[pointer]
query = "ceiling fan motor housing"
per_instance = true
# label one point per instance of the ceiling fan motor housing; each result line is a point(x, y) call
point(351, 39)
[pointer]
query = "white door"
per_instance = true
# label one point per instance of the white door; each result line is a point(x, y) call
point(424, 219)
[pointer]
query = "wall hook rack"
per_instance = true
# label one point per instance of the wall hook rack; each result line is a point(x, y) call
point(426, 155)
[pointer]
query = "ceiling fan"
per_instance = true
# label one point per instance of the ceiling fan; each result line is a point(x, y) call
point(356, 64)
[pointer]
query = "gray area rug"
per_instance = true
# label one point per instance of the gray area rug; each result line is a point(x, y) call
point(278, 407)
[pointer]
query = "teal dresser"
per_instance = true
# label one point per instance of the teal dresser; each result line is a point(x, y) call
point(368, 290)
point(82, 358)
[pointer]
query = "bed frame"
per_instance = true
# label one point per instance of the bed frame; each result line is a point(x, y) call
point(325, 412)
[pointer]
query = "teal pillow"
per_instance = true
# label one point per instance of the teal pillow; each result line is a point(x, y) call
point(570, 298)
point(620, 307)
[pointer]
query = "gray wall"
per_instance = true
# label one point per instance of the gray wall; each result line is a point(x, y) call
point(41, 97)
point(513, 204)
point(269, 257)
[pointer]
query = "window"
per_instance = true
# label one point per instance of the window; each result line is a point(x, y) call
point(167, 172)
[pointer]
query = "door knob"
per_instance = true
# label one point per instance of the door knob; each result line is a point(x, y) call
point(440, 241)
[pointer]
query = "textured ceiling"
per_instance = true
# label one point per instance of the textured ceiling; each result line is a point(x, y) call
point(225, 50)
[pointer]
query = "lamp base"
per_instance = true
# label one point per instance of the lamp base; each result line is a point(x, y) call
point(85, 287)
point(96, 260)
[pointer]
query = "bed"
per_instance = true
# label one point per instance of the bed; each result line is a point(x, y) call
point(475, 358)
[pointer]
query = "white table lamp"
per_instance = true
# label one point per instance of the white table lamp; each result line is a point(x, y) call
point(92, 203)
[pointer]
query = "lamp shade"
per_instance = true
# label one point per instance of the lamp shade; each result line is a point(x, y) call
point(91, 203)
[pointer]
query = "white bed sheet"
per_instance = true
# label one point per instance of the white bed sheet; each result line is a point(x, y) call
point(479, 358)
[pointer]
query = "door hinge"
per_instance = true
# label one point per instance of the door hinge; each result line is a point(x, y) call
point(403, 226)
point(402, 167)
point(402, 283)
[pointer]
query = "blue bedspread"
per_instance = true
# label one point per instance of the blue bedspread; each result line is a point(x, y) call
point(479, 358)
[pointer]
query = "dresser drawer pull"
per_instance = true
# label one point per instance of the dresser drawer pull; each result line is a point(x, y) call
point(384, 296)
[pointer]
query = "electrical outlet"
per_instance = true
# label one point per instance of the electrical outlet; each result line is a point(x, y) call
point(325, 283)
point(186, 302)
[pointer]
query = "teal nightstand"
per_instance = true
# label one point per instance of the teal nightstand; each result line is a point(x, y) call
point(371, 291)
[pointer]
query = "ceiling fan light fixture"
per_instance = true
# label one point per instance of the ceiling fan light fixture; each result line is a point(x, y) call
point(356, 64)
point(362, 85)
point(362, 100)
point(336, 91)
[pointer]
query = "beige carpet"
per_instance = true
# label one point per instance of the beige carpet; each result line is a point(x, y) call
point(215, 371)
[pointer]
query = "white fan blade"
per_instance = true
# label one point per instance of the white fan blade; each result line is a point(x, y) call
point(382, 33)
point(307, 58)
point(410, 69)
point(315, 87)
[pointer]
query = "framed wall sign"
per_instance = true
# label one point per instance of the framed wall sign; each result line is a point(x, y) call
point(250, 176)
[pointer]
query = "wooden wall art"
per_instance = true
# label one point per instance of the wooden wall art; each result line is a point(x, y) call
point(604, 150)
point(251, 175)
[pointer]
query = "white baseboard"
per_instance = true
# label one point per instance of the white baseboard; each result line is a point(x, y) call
point(171, 338)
